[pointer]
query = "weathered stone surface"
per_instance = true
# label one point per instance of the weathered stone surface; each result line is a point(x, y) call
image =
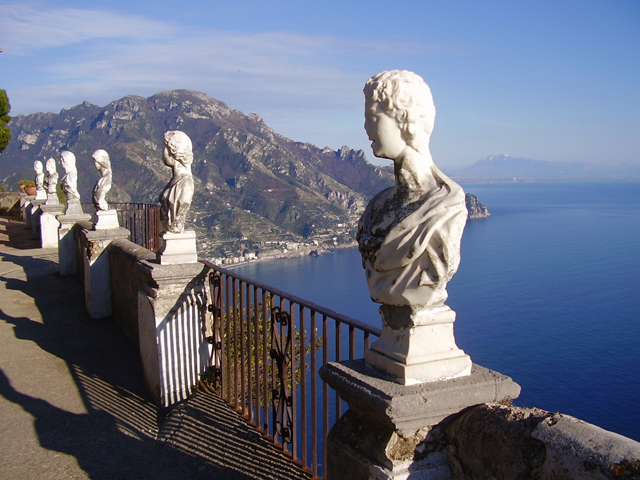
point(496, 442)
point(127, 279)
point(361, 448)
point(579, 450)
point(410, 408)
point(97, 277)
point(10, 204)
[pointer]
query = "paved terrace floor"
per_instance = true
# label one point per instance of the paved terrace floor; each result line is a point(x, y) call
point(72, 405)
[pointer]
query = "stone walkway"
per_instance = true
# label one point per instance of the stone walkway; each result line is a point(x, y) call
point(72, 405)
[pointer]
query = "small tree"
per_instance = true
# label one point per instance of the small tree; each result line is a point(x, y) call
point(5, 108)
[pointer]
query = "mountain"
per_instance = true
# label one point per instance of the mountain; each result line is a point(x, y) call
point(252, 184)
point(504, 167)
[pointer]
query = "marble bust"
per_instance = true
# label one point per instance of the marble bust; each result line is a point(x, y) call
point(103, 185)
point(69, 182)
point(175, 199)
point(409, 235)
point(39, 180)
point(51, 179)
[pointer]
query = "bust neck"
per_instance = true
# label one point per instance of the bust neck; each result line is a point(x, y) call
point(413, 174)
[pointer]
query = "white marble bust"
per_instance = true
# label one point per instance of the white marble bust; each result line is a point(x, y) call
point(39, 178)
point(69, 182)
point(51, 179)
point(175, 199)
point(103, 185)
point(409, 235)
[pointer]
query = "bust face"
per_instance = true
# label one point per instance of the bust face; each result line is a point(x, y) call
point(37, 166)
point(383, 131)
point(50, 167)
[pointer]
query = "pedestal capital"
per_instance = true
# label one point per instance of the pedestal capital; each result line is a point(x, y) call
point(408, 408)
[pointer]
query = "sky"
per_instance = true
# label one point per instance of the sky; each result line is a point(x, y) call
point(549, 80)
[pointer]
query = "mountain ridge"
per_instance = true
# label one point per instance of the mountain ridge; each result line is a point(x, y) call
point(251, 182)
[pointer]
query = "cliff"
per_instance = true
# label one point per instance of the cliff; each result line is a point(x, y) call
point(475, 209)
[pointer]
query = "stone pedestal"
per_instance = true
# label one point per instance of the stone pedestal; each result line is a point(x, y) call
point(178, 248)
point(97, 278)
point(418, 346)
point(390, 430)
point(49, 225)
point(67, 258)
point(106, 220)
point(74, 207)
point(33, 213)
point(52, 199)
point(171, 313)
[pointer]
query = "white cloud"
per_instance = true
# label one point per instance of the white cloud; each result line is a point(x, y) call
point(26, 29)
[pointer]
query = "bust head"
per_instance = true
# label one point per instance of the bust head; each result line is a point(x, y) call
point(177, 146)
point(68, 161)
point(50, 166)
point(405, 98)
point(37, 166)
point(101, 160)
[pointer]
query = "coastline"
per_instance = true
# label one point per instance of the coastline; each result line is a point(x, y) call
point(301, 252)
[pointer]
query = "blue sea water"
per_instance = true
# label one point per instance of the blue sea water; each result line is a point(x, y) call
point(548, 292)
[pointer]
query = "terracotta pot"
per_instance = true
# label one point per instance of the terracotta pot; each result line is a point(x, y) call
point(31, 191)
point(21, 187)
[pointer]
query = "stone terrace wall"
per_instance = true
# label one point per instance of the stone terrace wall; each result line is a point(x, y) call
point(10, 204)
point(126, 281)
point(505, 442)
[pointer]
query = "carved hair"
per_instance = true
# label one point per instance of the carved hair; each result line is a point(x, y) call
point(405, 97)
point(101, 157)
point(37, 165)
point(50, 163)
point(179, 145)
point(69, 159)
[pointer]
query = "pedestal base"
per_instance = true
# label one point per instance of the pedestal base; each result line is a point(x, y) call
point(391, 431)
point(52, 199)
point(178, 248)
point(106, 220)
point(418, 346)
point(74, 207)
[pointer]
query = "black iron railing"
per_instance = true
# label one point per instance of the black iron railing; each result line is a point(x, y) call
point(267, 347)
point(141, 219)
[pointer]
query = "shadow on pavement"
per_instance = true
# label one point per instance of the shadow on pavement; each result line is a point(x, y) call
point(120, 437)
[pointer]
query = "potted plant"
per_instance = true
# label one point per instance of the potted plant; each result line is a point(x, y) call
point(28, 187)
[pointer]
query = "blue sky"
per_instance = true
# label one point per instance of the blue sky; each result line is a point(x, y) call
point(549, 80)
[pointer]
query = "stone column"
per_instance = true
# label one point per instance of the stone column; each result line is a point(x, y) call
point(67, 258)
point(49, 225)
point(172, 309)
point(390, 430)
point(97, 278)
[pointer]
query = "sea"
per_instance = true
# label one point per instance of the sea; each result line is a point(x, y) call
point(548, 293)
